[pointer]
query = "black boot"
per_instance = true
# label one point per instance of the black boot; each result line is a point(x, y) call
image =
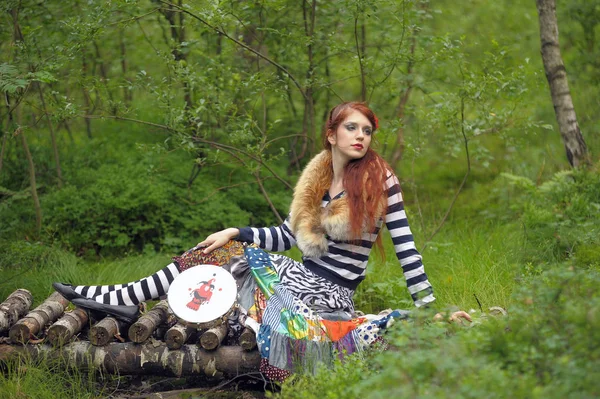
point(126, 314)
point(67, 291)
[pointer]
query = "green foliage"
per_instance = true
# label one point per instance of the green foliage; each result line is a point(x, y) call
point(560, 216)
point(545, 348)
point(119, 199)
point(328, 382)
point(10, 82)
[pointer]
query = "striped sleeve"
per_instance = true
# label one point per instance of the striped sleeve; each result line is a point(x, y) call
point(410, 259)
point(276, 238)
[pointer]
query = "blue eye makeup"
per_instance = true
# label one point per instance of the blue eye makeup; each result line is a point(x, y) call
point(352, 126)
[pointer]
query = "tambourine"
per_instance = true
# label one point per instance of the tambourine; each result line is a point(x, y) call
point(203, 296)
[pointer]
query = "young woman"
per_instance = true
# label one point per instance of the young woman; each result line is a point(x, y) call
point(341, 201)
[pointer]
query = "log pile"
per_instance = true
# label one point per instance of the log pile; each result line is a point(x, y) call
point(155, 344)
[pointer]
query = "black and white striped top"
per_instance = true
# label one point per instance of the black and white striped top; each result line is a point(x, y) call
point(345, 263)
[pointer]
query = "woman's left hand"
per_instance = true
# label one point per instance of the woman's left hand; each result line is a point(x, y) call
point(455, 317)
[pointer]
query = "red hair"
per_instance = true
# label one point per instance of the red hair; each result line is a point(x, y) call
point(364, 178)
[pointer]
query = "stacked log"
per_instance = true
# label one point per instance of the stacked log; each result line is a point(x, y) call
point(174, 357)
point(105, 331)
point(248, 339)
point(34, 322)
point(67, 326)
point(15, 306)
point(178, 335)
point(157, 359)
point(143, 328)
point(212, 338)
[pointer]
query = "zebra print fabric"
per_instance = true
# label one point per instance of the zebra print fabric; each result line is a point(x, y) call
point(321, 295)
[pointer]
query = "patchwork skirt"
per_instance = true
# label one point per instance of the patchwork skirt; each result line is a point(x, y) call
point(302, 320)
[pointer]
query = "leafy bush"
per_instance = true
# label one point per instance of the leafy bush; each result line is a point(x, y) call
point(119, 199)
point(561, 217)
point(546, 348)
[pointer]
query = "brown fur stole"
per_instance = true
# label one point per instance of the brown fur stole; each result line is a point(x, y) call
point(309, 221)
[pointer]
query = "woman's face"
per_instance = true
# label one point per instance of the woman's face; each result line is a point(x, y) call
point(352, 138)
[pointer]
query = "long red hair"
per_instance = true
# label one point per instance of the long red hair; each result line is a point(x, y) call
point(364, 178)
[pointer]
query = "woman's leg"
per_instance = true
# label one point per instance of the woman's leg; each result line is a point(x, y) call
point(157, 285)
point(145, 289)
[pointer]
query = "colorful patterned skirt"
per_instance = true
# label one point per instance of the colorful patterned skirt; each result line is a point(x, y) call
point(302, 320)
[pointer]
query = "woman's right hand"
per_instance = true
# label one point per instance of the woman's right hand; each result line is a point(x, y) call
point(454, 317)
point(218, 239)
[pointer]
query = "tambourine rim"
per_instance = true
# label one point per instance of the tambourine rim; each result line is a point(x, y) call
point(171, 297)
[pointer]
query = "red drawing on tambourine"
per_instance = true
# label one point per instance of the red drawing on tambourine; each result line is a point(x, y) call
point(202, 294)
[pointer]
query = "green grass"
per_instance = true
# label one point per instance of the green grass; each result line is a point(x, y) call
point(37, 275)
point(463, 261)
point(48, 378)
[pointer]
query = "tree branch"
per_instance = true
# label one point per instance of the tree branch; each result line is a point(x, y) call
point(201, 140)
point(363, 86)
point(134, 18)
point(221, 32)
point(267, 198)
point(464, 180)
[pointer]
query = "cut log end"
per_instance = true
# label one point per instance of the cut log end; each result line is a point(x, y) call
point(50, 310)
point(20, 333)
point(58, 334)
point(15, 306)
point(68, 325)
point(142, 329)
point(211, 339)
point(177, 335)
point(248, 339)
point(104, 331)
point(139, 332)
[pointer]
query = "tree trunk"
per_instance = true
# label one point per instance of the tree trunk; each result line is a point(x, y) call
point(63, 121)
point(50, 310)
point(104, 78)
point(559, 87)
point(86, 93)
point(178, 36)
point(127, 95)
point(52, 135)
point(15, 306)
point(310, 101)
point(18, 36)
point(360, 53)
point(135, 359)
point(32, 182)
point(308, 121)
point(142, 329)
point(67, 326)
point(4, 130)
point(3, 146)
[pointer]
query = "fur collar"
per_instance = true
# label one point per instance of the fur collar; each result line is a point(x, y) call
point(309, 221)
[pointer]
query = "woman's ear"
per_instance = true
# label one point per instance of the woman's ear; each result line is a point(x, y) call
point(331, 137)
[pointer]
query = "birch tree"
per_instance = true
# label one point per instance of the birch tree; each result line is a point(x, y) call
point(556, 74)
